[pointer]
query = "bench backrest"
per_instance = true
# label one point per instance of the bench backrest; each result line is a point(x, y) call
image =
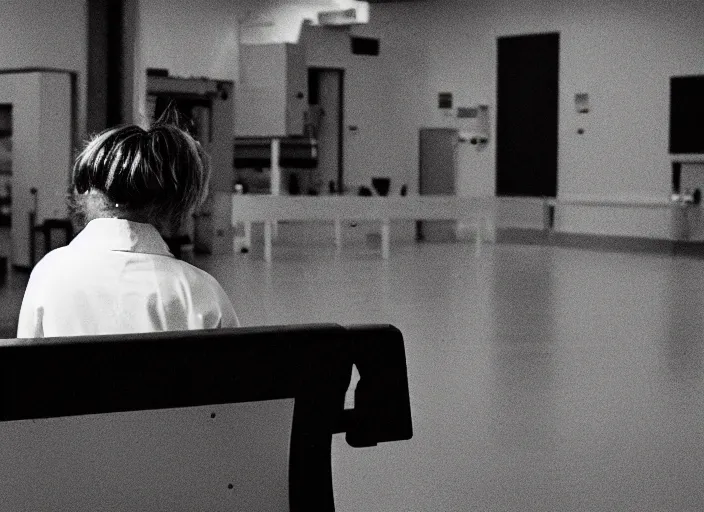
point(167, 420)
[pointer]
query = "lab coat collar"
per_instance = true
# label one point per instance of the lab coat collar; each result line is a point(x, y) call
point(121, 235)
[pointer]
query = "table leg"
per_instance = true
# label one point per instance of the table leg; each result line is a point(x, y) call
point(479, 235)
point(267, 242)
point(338, 234)
point(242, 242)
point(489, 230)
point(248, 234)
point(385, 239)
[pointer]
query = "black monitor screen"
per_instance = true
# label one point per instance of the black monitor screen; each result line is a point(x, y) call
point(687, 114)
point(365, 46)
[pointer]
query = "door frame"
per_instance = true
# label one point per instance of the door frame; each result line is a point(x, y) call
point(341, 124)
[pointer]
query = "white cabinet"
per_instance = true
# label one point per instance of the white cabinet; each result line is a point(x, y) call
point(273, 90)
point(42, 139)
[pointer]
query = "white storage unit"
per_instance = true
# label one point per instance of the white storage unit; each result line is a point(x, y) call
point(42, 132)
point(273, 90)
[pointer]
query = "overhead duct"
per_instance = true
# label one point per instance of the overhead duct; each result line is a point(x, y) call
point(345, 17)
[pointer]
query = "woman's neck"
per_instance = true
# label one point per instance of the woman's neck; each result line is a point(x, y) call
point(96, 205)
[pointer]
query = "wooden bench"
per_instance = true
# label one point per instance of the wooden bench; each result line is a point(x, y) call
point(150, 421)
point(482, 212)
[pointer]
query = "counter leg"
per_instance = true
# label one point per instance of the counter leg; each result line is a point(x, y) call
point(248, 235)
point(267, 242)
point(338, 234)
point(479, 235)
point(489, 230)
point(385, 239)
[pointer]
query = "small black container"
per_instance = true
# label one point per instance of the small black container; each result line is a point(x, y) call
point(381, 185)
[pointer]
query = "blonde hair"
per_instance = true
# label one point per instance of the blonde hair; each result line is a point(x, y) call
point(159, 175)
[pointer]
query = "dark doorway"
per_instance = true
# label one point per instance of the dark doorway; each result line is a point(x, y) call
point(112, 31)
point(105, 29)
point(5, 175)
point(527, 115)
point(326, 120)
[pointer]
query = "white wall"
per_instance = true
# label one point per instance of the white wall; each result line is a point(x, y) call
point(190, 41)
point(621, 52)
point(54, 145)
point(262, 97)
point(280, 21)
point(50, 34)
point(380, 95)
point(204, 41)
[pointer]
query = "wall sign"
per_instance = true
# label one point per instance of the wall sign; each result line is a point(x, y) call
point(445, 100)
point(581, 102)
point(467, 112)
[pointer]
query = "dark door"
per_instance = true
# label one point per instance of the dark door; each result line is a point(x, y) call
point(527, 115)
point(5, 176)
point(106, 64)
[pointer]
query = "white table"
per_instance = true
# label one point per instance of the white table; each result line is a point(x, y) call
point(479, 211)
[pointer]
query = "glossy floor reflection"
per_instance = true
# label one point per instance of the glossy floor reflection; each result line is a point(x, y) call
point(542, 378)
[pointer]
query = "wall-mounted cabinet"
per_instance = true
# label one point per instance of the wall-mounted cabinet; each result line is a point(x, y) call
point(271, 95)
point(42, 140)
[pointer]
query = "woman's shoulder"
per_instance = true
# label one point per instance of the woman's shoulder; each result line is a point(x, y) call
point(206, 290)
point(195, 275)
point(55, 262)
point(54, 274)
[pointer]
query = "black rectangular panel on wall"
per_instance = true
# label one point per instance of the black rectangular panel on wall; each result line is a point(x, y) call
point(687, 114)
point(527, 115)
point(365, 46)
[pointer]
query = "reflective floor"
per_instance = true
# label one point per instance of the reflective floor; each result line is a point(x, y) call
point(541, 378)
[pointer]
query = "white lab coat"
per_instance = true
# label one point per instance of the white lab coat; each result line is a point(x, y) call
point(116, 277)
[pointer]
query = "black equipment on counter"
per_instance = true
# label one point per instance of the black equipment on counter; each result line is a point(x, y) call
point(295, 152)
